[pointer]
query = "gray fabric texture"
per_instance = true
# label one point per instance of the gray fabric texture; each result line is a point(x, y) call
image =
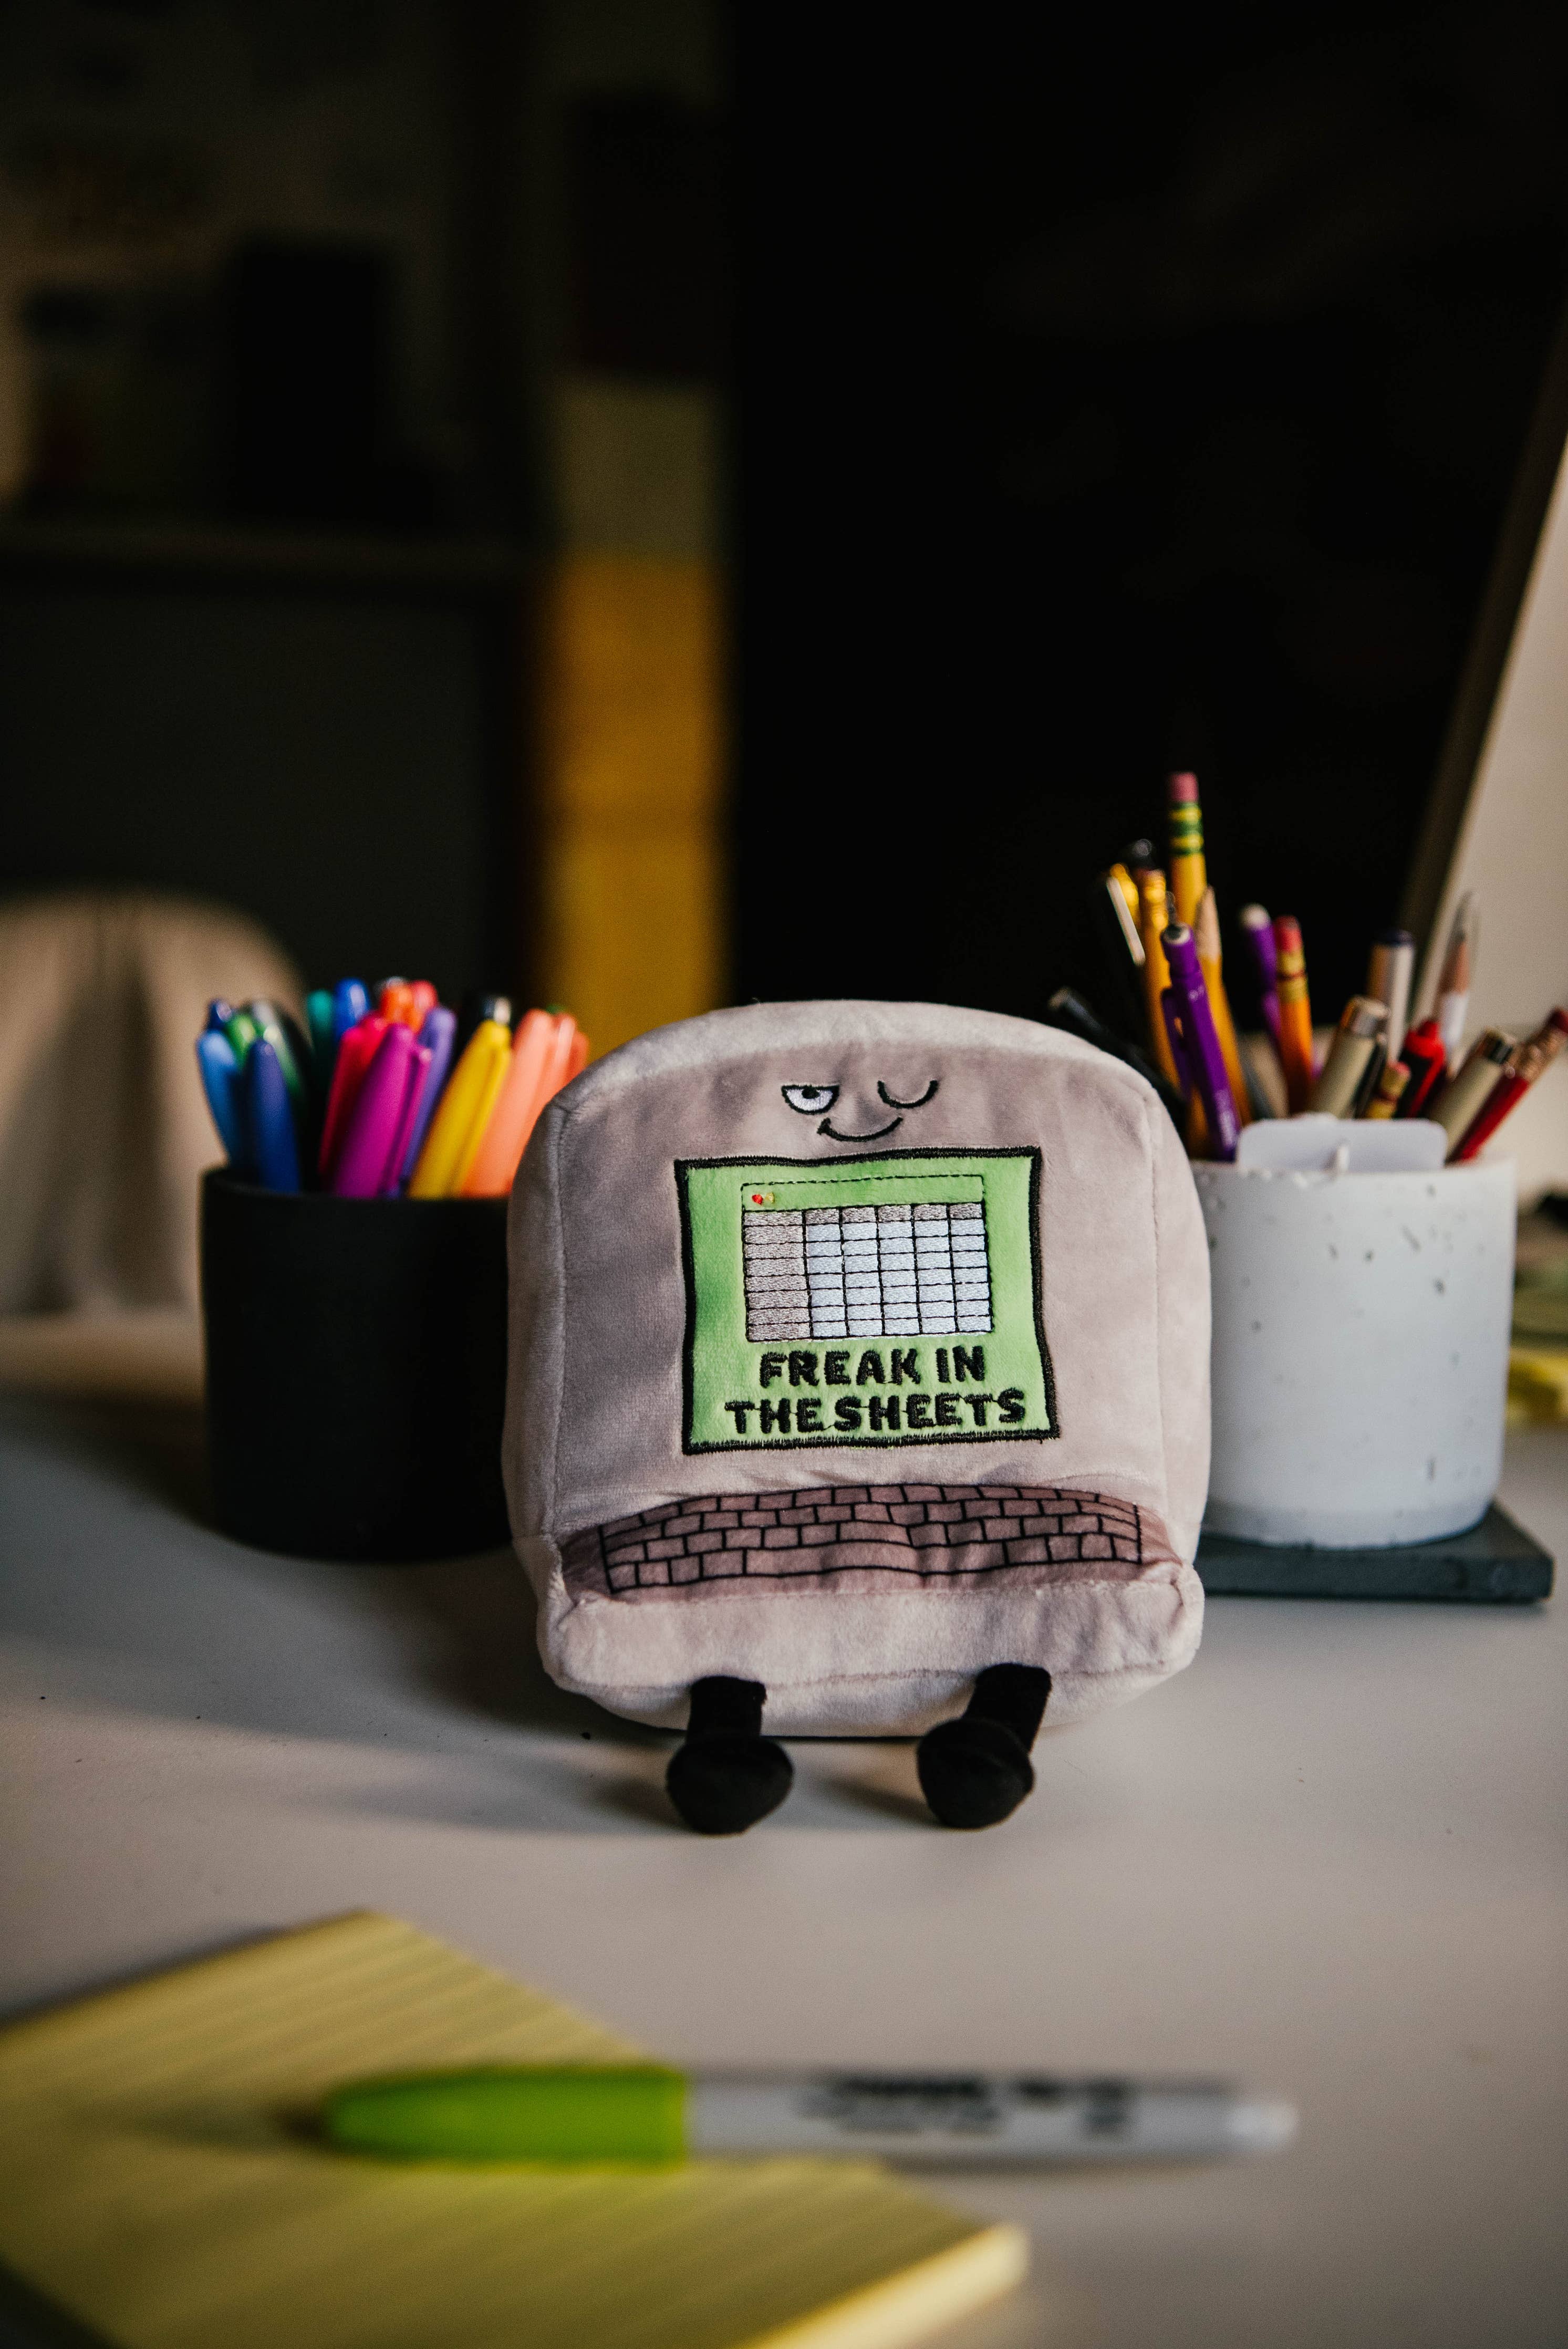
point(599, 1405)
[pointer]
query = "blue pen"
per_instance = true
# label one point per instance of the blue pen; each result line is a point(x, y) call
point(220, 1068)
point(350, 1002)
point(220, 1011)
point(437, 1035)
point(269, 1116)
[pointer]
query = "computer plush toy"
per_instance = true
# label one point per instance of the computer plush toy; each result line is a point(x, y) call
point(859, 1367)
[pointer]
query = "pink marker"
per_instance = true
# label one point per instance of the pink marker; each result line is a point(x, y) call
point(379, 1114)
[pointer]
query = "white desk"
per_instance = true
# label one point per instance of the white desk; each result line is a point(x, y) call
point(1328, 1859)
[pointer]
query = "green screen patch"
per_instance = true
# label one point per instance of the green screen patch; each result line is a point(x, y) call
point(883, 1302)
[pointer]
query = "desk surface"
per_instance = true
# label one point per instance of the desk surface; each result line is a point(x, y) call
point(1329, 1859)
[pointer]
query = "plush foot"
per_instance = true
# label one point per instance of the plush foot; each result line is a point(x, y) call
point(727, 1775)
point(974, 1772)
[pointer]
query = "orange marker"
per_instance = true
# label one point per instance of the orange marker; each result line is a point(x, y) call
point(396, 1004)
point(579, 1059)
point(1295, 1012)
point(518, 1104)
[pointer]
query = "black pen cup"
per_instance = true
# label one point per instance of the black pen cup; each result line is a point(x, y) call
point(356, 1370)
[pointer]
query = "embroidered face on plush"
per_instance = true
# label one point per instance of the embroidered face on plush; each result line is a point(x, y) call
point(808, 1101)
point(857, 1347)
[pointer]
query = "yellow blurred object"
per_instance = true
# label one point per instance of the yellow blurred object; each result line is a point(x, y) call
point(156, 2181)
point(458, 1127)
point(1537, 1383)
point(629, 790)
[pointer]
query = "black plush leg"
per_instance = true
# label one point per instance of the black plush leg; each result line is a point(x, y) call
point(976, 1771)
point(727, 1775)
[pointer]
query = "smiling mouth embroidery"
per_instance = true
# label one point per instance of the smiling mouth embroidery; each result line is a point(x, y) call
point(833, 1134)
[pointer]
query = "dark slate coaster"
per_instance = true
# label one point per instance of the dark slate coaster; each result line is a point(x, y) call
point(1496, 1562)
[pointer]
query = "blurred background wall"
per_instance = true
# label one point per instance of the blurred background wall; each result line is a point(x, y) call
point(648, 503)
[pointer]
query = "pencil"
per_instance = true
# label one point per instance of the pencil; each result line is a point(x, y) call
point(1454, 984)
point(1189, 874)
point(1389, 971)
point(1152, 920)
point(1295, 1012)
point(1205, 935)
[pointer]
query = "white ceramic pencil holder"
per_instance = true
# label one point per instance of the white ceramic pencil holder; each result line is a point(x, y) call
point(1360, 1351)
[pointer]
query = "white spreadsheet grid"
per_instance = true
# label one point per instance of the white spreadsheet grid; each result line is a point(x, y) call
point(896, 1271)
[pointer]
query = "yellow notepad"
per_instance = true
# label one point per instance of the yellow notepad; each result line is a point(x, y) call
point(157, 2178)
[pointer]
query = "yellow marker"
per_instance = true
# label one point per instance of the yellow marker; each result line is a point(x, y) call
point(1206, 938)
point(458, 1126)
point(1189, 874)
point(1153, 919)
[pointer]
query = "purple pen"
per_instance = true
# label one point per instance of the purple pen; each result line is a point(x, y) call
point(1170, 1014)
point(377, 1117)
point(1203, 1055)
point(1259, 931)
point(437, 1036)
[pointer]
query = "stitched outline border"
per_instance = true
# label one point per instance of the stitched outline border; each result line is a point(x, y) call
point(831, 1440)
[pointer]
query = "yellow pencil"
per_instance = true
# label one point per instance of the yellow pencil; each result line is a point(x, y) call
point(1153, 919)
point(1206, 938)
point(1189, 874)
point(458, 1126)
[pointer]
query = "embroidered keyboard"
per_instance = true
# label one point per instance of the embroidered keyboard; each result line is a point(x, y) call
point(927, 1533)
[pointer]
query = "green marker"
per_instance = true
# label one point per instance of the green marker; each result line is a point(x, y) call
point(283, 1034)
point(644, 2113)
point(634, 2112)
point(242, 1032)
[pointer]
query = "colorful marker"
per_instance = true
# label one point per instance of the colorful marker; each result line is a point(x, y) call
point(458, 1126)
point(379, 1117)
point(436, 1035)
point(1259, 934)
point(220, 1083)
point(323, 1036)
point(269, 1120)
point(356, 1050)
point(646, 2112)
point(1423, 1054)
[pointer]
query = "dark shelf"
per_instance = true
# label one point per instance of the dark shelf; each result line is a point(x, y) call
point(216, 552)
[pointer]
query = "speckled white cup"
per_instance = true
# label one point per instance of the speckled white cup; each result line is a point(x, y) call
point(1360, 1351)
